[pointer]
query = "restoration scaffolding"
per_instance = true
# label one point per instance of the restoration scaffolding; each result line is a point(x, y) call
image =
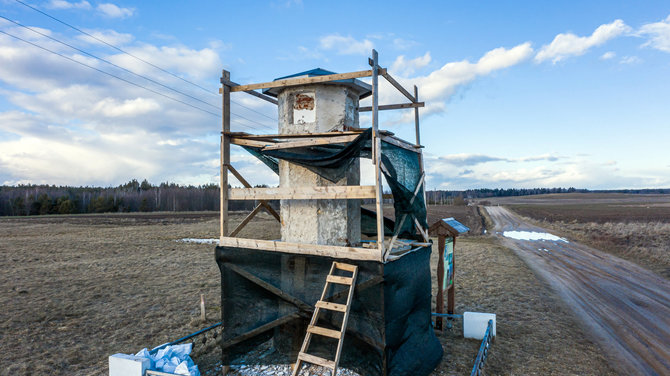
point(270, 287)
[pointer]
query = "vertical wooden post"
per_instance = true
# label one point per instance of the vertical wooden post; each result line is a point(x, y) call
point(376, 155)
point(418, 141)
point(225, 161)
point(439, 300)
point(225, 152)
point(451, 302)
point(203, 315)
point(416, 117)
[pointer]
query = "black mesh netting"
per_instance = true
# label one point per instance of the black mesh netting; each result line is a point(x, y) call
point(402, 171)
point(389, 330)
point(403, 175)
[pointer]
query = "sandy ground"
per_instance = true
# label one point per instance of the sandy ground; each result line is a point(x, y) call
point(79, 288)
point(625, 307)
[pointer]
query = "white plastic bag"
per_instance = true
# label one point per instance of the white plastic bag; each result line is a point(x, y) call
point(172, 359)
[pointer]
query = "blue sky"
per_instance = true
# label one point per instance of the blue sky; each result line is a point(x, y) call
point(521, 94)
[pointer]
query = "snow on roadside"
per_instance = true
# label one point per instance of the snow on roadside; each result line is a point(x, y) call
point(198, 241)
point(532, 235)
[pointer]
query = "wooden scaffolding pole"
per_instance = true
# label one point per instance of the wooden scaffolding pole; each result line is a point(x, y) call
point(376, 155)
point(418, 143)
point(416, 117)
point(225, 152)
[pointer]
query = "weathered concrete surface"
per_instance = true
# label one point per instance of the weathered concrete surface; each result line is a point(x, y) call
point(315, 109)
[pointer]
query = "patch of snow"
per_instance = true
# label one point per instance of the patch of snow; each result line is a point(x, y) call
point(532, 235)
point(199, 241)
point(284, 370)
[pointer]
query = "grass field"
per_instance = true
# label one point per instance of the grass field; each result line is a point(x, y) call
point(80, 288)
point(633, 227)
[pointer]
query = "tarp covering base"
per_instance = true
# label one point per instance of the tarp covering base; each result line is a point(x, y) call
point(271, 295)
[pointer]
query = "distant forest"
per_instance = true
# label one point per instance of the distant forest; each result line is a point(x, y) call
point(130, 197)
point(146, 197)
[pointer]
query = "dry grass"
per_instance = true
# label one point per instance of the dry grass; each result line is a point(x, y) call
point(79, 288)
point(536, 335)
point(635, 227)
point(646, 244)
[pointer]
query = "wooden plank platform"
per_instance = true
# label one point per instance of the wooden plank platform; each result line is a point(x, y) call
point(303, 193)
point(351, 253)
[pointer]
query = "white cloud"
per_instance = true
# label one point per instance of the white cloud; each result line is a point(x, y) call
point(195, 63)
point(406, 67)
point(62, 4)
point(630, 60)
point(113, 11)
point(658, 33)
point(568, 44)
point(112, 107)
point(404, 44)
point(608, 55)
point(109, 36)
point(438, 86)
point(345, 45)
point(528, 172)
point(66, 124)
point(441, 84)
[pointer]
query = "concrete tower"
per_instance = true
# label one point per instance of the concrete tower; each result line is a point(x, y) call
point(318, 108)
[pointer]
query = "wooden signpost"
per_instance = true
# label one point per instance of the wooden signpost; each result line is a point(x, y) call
point(446, 243)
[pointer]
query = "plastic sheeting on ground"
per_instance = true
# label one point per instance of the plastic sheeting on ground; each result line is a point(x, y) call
point(172, 359)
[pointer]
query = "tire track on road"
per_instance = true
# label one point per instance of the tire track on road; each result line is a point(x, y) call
point(626, 307)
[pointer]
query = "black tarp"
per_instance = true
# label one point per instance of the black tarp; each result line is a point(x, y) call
point(402, 171)
point(389, 330)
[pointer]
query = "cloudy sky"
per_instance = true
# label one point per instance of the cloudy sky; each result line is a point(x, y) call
point(537, 94)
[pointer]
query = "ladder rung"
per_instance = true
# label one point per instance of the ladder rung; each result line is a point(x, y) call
point(331, 306)
point(340, 280)
point(347, 267)
point(324, 332)
point(316, 360)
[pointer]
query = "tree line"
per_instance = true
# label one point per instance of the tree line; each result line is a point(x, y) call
point(436, 197)
point(135, 196)
point(132, 196)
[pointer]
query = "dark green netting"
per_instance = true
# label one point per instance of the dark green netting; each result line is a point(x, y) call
point(369, 223)
point(401, 170)
point(328, 161)
point(389, 332)
point(403, 174)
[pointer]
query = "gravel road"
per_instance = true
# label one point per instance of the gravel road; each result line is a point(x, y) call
point(625, 307)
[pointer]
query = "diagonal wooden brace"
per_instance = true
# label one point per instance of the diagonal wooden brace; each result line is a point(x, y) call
point(260, 330)
point(246, 220)
point(402, 220)
point(269, 287)
point(244, 182)
point(421, 230)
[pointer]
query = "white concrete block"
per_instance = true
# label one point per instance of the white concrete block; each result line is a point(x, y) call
point(127, 365)
point(475, 323)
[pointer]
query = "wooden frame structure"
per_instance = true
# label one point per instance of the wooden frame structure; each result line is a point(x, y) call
point(381, 250)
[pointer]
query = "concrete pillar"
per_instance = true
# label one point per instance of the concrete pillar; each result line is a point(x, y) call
point(318, 108)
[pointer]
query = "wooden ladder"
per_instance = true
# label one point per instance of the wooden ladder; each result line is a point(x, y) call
point(303, 356)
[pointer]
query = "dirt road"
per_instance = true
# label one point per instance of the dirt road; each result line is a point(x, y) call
point(626, 307)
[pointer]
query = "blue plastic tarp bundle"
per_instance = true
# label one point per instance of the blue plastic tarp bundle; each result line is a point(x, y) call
point(172, 359)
